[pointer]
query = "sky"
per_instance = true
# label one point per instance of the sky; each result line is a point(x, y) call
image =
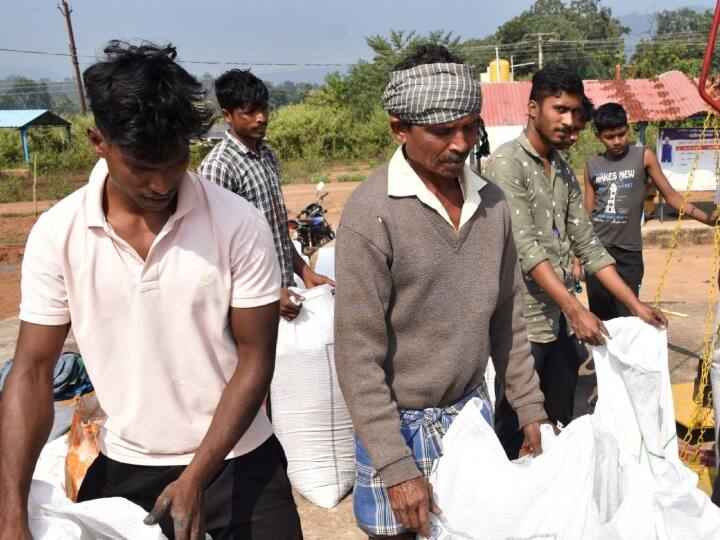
point(260, 32)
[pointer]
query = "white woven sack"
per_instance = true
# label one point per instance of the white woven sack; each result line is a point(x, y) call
point(648, 491)
point(309, 414)
point(614, 475)
point(484, 496)
point(52, 516)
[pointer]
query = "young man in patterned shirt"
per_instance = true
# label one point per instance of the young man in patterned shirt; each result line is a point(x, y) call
point(244, 164)
point(549, 225)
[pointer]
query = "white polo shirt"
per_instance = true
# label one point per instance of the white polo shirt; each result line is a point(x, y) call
point(154, 335)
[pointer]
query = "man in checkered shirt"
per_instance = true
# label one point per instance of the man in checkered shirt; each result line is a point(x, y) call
point(244, 164)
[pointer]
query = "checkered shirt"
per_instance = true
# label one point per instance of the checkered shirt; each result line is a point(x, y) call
point(433, 93)
point(256, 178)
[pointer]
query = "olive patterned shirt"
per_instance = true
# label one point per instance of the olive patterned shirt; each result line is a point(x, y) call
point(549, 224)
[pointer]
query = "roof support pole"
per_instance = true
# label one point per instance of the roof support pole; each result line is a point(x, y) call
point(23, 135)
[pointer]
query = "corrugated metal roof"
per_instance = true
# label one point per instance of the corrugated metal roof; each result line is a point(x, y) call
point(671, 96)
point(30, 117)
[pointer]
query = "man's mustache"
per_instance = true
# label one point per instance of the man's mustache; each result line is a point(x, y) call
point(454, 158)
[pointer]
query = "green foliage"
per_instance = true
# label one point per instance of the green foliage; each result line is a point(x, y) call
point(288, 93)
point(54, 188)
point(562, 24)
point(321, 176)
point(198, 151)
point(25, 94)
point(323, 133)
point(359, 91)
point(677, 44)
point(585, 148)
point(351, 178)
point(12, 189)
point(55, 152)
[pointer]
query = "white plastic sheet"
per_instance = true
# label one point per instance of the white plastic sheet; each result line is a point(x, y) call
point(309, 414)
point(52, 516)
point(613, 475)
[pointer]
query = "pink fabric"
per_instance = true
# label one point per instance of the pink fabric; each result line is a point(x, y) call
point(154, 334)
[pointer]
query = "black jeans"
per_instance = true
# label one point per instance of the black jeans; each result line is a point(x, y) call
point(249, 498)
point(629, 264)
point(557, 364)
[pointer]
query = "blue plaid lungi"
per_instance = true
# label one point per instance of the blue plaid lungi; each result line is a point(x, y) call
point(423, 431)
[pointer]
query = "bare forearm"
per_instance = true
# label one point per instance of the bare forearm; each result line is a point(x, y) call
point(239, 404)
point(26, 418)
point(611, 280)
point(676, 201)
point(545, 276)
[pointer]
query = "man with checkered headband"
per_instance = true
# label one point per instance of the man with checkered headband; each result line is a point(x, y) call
point(428, 289)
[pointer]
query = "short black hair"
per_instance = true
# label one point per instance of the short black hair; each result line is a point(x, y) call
point(610, 116)
point(144, 102)
point(428, 54)
point(240, 88)
point(553, 79)
point(588, 108)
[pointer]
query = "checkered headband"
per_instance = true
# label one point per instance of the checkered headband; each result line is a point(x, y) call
point(433, 93)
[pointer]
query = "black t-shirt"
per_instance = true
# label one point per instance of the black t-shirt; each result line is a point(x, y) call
point(619, 193)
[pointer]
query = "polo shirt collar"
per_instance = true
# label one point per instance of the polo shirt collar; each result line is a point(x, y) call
point(403, 181)
point(187, 197)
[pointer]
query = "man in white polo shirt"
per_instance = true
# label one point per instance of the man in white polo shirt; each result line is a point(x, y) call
point(171, 284)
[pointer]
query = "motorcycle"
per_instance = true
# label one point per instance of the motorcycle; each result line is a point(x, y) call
point(312, 229)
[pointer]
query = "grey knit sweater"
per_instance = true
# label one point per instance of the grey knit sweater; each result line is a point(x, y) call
point(419, 308)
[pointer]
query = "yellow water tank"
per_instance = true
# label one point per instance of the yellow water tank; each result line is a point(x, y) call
point(504, 71)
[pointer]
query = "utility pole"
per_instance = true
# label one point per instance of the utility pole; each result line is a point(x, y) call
point(540, 58)
point(66, 11)
point(540, 41)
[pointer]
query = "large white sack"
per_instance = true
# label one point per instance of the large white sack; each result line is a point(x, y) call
point(52, 516)
point(309, 414)
point(484, 496)
point(658, 496)
point(612, 475)
point(325, 263)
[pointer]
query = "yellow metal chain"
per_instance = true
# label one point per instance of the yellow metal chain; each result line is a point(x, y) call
point(711, 118)
point(699, 419)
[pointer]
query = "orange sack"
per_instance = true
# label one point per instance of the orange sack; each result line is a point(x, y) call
point(83, 446)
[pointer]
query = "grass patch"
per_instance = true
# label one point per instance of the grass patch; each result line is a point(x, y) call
point(18, 214)
point(351, 178)
point(12, 189)
point(320, 176)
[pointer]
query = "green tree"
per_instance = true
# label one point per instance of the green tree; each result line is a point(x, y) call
point(678, 43)
point(63, 104)
point(563, 29)
point(26, 94)
point(288, 93)
point(361, 89)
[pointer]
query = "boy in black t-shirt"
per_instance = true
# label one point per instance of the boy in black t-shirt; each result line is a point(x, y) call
point(615, 185)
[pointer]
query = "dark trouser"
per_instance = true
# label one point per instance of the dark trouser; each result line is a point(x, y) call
point(557, 365)
point(249, 498)
point(629, 264)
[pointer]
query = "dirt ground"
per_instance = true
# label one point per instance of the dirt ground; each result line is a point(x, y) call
point(686, 291)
